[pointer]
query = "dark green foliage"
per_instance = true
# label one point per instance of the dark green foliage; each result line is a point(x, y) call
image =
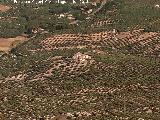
point(59, 8)
point(133, 14)
point(12, 28)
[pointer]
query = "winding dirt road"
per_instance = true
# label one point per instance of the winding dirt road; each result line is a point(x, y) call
point(101, 6)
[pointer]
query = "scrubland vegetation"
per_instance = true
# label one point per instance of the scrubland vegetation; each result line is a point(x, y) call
point(123, 15)
point(40, 78)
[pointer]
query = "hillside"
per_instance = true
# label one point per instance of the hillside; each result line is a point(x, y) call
point(117, 81)
point(106, 67)
point(123, 15)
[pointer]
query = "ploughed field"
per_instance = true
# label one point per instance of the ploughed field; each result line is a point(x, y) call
point(99, 76)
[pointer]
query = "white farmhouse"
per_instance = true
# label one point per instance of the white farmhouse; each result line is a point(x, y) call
point(81, 57)
point(57, 1)
point(157, 6)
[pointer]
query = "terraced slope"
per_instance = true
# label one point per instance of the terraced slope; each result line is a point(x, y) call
point(98, 76)
point(136, 41)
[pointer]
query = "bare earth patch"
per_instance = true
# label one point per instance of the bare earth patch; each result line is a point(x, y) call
point(7, 43)
point(4, 8)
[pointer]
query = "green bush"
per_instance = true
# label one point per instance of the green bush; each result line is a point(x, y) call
point(12, 28)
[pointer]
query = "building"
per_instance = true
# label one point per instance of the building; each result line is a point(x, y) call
point(56, 1)
point(81, 57)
